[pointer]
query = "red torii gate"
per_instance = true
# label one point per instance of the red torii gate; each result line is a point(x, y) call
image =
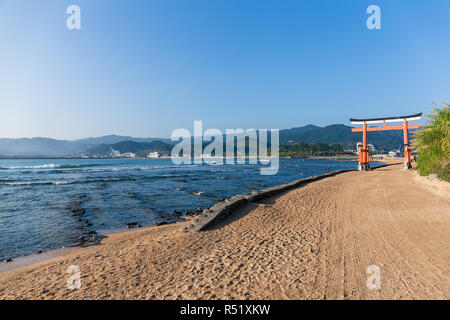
point(363, 151)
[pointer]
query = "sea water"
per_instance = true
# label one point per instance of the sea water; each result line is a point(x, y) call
point(38, 196)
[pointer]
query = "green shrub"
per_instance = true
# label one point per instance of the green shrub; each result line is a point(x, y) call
point(433, 144)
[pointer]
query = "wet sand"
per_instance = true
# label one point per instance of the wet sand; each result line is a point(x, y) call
point(314, 242)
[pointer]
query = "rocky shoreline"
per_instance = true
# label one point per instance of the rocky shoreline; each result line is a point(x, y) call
point(291, 245)
point(200, 218)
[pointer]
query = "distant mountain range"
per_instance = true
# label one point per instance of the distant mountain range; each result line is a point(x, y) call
point(29, 147)
point(343, 135)
point(46, 147)
point(111, 139)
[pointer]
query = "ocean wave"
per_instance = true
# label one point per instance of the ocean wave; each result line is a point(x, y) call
point(33, 183)
point(70, 166)
point(49, 166)
point(42, 166)
point(64, 182)
point(92, 167)
point(12, 182)
point(203, 194)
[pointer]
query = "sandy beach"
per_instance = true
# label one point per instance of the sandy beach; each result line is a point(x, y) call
point(314, 242)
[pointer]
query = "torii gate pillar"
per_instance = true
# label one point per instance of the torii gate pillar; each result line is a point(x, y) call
point(407, 150)
point(364, 163)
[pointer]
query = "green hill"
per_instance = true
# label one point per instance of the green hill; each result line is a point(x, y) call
point(343, 135)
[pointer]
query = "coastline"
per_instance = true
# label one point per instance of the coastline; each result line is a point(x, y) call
point(36, 259)
point(177, 197)
point(191, 223)
point(265, 245)
point(32, 261)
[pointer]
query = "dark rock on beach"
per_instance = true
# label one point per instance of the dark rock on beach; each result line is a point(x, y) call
point(89, 240)
point(75, 205)
point(133, 225)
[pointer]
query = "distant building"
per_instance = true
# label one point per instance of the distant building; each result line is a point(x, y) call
point(371, 147)
point(394, 154)
point(128, 155)
point(153, 155)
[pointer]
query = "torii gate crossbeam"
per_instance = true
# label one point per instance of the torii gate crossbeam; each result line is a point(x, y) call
point(363, 151)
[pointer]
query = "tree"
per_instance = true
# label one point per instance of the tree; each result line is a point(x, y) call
point(433, 144)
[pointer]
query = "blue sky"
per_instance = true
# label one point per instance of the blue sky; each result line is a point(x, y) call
point(145, 68)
